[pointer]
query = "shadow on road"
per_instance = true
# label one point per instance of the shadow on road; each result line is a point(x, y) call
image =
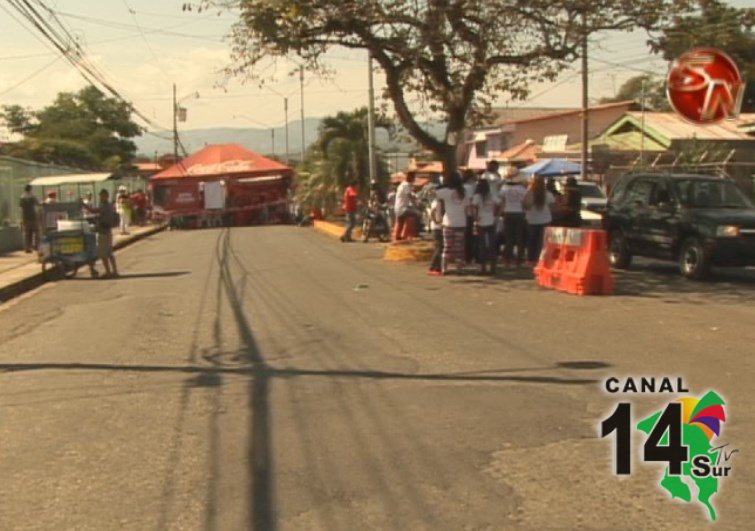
point(662, 280)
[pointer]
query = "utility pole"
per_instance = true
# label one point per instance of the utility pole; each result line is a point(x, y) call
point(175, 126)
point(285, 112)
point(585, 101)
point(301, 85)
point(371, 123)
point(642, 127)
point(272, 134)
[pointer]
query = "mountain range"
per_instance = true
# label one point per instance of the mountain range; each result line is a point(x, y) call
point(261, 140)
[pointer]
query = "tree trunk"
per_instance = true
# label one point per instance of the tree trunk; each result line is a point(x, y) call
point(448, 157)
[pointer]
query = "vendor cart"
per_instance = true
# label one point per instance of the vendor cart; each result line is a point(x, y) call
point(68, 243)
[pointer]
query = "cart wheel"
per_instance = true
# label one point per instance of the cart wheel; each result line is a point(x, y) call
point(70, 270)
point(52, 269)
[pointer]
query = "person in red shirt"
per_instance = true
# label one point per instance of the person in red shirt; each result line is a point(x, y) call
point(350, 202)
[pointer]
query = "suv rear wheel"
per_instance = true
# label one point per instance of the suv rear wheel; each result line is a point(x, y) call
point(618, 253)
point(694, 262)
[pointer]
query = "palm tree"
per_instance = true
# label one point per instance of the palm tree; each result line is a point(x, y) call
point(340, 154)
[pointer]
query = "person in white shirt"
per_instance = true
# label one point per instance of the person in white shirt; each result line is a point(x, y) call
point(485, 212)
point(455, 209)
point(514, 228)
point(470, 241)
point(436, 227)
point(493, 177)
point(537, 211)
point(406, 214)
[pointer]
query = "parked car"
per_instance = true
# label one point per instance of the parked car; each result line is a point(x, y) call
point(697, 220)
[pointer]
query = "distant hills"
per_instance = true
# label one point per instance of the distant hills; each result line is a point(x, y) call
point(261, 141)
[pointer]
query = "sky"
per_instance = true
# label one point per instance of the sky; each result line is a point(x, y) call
point(144, 46)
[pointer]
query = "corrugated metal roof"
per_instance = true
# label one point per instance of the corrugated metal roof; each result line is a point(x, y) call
point(76, 178)
point(674, 127)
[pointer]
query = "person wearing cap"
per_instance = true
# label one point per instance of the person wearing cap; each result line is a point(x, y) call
point(514, 227)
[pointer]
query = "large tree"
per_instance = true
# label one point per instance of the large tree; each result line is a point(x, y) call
point(716, 24)
point(443, 59)
point(85, 129)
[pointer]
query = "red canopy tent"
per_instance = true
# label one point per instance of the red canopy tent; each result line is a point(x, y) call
point(254, 188)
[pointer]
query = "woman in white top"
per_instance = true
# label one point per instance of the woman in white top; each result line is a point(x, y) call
point(537, 210)
point(436, 227)
point(485, 210)
point(514, 227)
point(455, 207)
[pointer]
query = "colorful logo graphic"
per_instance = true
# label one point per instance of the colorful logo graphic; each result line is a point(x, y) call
point(704, 86)
point(681, 435)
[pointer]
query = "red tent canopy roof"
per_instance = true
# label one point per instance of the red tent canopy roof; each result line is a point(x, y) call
point(222, 159)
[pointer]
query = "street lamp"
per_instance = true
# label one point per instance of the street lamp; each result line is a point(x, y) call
point(179, 114)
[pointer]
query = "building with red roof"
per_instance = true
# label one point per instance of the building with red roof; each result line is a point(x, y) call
point(228, 178)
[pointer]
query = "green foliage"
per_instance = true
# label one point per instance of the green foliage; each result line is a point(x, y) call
point(85, 129)
point(340, 154)
point(714, 23)
point(53, 151)
point(444, 60)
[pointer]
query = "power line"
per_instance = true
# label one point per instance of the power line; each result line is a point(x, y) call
point(146, 42)
point(56, 34)
point(30, 77)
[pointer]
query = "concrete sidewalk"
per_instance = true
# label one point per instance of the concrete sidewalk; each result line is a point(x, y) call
point(20, 271)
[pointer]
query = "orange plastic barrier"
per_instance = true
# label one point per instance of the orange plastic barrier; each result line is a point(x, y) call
point(575, 261)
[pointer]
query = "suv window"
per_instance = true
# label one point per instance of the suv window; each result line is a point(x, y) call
point(639, 192)
point(661, 193)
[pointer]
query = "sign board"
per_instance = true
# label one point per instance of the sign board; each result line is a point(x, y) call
point(554, 143)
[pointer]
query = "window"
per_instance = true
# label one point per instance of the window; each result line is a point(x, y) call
point(638, 192)
point(704, 193)
point(661, 193)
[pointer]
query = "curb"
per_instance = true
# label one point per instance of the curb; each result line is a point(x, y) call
point(34, 281)
point(334, 229)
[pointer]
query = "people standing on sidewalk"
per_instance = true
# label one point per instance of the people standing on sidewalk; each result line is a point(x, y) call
point(511, 197)
point(470, 240)
point(407, 218)
point(106, 222)
point(123, 208)
point(571, 205)
point(485, 212)
point(493, 177)
point(538, 203)
point(436, 228)
point(350, 204)
point(30, 219)
point(456, 209)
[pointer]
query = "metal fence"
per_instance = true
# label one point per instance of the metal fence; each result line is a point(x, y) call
point(15, 174)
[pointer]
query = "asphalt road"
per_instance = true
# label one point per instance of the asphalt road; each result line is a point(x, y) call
point(264, 378)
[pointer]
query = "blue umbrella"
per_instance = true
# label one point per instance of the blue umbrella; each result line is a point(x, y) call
point(553, 168)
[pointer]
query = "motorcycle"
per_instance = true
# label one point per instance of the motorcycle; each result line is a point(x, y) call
point(375, 224)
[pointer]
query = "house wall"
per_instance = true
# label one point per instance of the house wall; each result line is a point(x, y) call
point(570, 125)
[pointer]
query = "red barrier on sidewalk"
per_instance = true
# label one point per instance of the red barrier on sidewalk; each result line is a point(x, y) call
point(575, 261)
